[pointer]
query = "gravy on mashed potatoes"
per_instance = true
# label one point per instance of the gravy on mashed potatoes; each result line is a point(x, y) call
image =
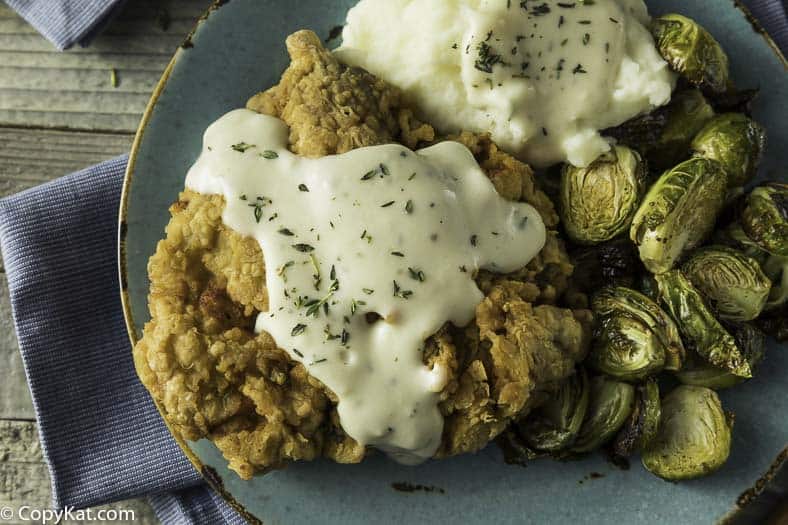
point(542, 76)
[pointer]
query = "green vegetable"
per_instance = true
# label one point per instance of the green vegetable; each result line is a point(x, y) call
point(733, 284)
point(694, 437)
point(776, 269)
point(750, 341)
point(598, 202)
point(691, 51)
point(735, 141)
point(554, 426)
point(678, 212)
point(635, 337)
point(765, 217)
point(698, 325)
point(642, 425)
point(664, 135)
point(610, 405)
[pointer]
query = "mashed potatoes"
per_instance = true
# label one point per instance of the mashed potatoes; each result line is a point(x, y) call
point(542, 76)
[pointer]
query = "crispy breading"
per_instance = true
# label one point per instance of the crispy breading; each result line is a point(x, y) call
point(215, 378)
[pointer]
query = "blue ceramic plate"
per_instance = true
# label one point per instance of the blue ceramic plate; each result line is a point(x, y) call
point(237, 50)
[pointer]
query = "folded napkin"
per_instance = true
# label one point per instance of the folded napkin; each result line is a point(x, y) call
point(102, 437)
point(101, 434)
point(66, 22)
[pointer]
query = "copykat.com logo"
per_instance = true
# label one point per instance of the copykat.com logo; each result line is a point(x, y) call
point(26, 513)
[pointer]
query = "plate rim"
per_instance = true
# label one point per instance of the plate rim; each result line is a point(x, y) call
point(209, 475)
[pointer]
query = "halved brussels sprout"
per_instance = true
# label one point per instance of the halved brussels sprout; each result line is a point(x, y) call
point(554, 426)
point(776, 269)
point(664, 135)
point(734, 284)
point(678, 212)
point(765, 217)
point(598, 202)
point(643, 423)
point(694, 437)
point(610, 404)
point(697, 324)
point(735, 141)
point(515, 451)
point(626, 349)
point(750, 341)
point(691, 51)
point(635, 337)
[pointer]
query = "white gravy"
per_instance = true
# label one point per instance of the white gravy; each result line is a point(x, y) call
point(378, 230)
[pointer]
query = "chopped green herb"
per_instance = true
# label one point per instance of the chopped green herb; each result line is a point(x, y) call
point(286, 231)
point(270, 155)
point(399, 292)
point(302, 187)
point(296, 352)
point(368, 291)
point(387, 204)
point(409, 206)
point(487, 58)
point(305, 248)
point(241, 147)
point(474, 240)
point(298, 329)
point(398, 254)
point(416, 275)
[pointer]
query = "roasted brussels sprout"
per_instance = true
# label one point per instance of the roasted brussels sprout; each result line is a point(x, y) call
point(691, 51)
point(554, 426)
point(750, 341)
point(735, 141)
point(776, 269)
point(514, 449)
point(635, 337)
point(765, 217)
point(610, 404)
point(664, 135)
point(733, 284)
point(598, 202)
point(694, 436)
point(698, 325)
point(643, 423)
point(613, 262)
point(678, 212)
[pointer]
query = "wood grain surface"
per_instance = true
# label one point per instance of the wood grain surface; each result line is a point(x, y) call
point(61, 112)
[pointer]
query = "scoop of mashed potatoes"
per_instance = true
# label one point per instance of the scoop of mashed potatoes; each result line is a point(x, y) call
point(542, 76)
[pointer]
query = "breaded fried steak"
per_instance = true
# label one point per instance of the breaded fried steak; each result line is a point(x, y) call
point(215, 378)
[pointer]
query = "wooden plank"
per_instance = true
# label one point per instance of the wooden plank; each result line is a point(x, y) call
point(41, 87)
point(15, 399)
point(29, 157)
point(24, 478)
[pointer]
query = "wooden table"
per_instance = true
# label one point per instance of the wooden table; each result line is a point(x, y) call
point(60, 112)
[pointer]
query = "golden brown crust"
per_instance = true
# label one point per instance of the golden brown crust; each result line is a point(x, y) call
point(215, 378)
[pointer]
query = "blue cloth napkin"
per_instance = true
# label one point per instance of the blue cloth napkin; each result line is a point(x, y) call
point(102, 437)
point(66, 22)
point(101, 434)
